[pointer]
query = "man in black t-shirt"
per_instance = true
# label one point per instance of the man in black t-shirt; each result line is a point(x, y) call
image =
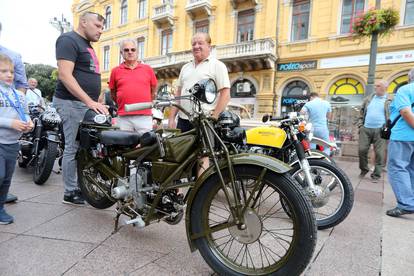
point(78, 89)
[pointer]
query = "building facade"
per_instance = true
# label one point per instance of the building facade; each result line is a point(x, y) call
point(276, 51)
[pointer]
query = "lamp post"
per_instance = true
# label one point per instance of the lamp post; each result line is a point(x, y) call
point(62, 25)
point(372, 58)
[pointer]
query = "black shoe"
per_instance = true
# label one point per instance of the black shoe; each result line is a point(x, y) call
point(339, 99)
point(11, 198)
point(396, 212)
point(362, 174)
point(375, 177)
point(74, 198)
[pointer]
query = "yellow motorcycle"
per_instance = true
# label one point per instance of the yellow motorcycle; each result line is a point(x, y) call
point(328, 187)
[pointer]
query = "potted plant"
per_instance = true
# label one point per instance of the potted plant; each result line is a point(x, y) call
point(380, 21)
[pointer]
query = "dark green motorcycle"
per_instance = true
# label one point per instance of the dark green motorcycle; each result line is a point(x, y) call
point(234, 214)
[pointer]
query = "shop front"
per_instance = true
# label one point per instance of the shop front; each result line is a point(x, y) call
point(243, 92)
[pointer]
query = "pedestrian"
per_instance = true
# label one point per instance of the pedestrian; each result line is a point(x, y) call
point(132, 82)
point(77, 90)
point(203, 66)
point(401, 149)
point(34, 95)
point(14, 119)
point(319, 112)
point(19, 82)
point(373, 114)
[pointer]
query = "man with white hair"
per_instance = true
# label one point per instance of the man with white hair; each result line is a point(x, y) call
point(401, 149)
point(34, 95)
point(373, 115)
point(132, 82)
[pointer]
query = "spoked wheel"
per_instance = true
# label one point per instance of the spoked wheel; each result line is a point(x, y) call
point(44, 163)
point(94, 186)
point(270, 242)
point(335, 193)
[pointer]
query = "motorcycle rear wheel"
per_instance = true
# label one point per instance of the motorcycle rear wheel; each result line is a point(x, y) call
point(90, 191)
point(45, 162)
point(341, 193)
point(273, 242)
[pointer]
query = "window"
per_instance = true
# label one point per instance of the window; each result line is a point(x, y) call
point(120, 57)
point(124, 11)
point(106, 58)
point(350, 10)
point(140, 47)
point(201, 26)
point(245, 26)
point(142, 9)
point(166, 42)
point(108, 12)
point(300, 19)
point(409, 12)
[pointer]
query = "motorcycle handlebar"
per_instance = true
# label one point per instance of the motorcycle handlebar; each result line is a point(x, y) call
point(138, 106)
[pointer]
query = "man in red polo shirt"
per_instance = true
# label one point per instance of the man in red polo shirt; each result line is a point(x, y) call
point(132, 82)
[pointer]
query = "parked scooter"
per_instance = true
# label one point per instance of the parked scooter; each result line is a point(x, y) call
point(234, 211)
point(328, 187)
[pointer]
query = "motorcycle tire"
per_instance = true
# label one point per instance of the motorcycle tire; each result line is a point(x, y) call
point(325, 156)
point(341, 181)
point(45, 162)
point(295, 242)
point(92, 194)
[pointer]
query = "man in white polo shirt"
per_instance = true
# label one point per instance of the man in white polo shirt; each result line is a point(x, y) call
point(202, 67)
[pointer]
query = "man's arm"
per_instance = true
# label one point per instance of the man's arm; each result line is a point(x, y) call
point(65, 70)
point(173, 111)
point(153, 92)
point(20, 79)
point(223, 100)
point(408, 115)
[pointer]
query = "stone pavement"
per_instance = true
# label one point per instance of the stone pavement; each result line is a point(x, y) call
point(51, 238)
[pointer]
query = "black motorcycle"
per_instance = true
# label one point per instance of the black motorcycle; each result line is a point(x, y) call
point(40, 147)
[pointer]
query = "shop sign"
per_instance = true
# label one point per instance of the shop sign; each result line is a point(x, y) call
point(297, 66)
point(294, 101)
point(363, 60)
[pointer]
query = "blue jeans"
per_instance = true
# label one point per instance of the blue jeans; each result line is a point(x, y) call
point(71, 112)
point(323, 133)
point(401, 173)
point(8, 156)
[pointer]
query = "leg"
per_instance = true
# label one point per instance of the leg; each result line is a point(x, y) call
point(7, 165)
point(400, 158)
point(379, 148)
point(124, 123)
point(363, 148)
point(141, 124)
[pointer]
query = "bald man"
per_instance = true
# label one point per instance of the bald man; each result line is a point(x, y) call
point(374, 113)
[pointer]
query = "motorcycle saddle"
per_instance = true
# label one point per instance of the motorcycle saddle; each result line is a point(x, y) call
point(119, 137)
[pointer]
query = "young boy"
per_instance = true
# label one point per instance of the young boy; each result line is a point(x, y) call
point(14, 119)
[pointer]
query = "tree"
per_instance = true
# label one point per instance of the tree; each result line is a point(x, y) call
point(45, 76)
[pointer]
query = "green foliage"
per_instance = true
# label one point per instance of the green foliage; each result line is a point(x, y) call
point(46, 77)
point(380, 21)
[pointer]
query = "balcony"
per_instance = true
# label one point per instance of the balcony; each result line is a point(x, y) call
point(163, 13)
point(198, 7)
point(253, 55)
point(235, 3)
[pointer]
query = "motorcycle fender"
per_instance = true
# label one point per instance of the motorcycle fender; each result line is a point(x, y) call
point(52, 136)
point(253, 159)
point(308, 157)
point(321, 142)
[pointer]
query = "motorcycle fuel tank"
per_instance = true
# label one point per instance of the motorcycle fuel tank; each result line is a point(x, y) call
point(266, 136)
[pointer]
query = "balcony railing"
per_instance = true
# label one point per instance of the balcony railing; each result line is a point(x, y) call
point(258, 47)
point(235, 3)
point(163, 13)
point(194, 6)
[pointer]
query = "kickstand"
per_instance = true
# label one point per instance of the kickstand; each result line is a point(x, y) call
point(116, 228)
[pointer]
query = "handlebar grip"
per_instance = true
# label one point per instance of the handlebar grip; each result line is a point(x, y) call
point(138, 106)
point(279, 118)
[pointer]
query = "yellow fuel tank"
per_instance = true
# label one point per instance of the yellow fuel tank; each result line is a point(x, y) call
point(266, 136)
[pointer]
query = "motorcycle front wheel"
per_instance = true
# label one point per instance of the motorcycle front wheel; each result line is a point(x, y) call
point(271, 242)
point(44, 162)
point(336, 197)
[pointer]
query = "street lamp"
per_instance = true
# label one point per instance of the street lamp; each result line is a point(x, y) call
point(62, 25)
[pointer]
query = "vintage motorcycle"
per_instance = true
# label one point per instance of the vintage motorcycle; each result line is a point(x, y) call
point(328, 187)
point(40, 147)
point(233, 210)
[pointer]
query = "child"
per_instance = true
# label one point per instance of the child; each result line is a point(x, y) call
point(14, 119)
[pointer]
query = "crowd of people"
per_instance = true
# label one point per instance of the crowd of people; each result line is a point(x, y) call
point(79, 87)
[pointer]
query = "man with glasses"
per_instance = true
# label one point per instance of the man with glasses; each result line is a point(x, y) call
point(77, 90)
point(132, 82)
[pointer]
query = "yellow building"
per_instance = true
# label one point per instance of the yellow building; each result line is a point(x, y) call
point(276, 51)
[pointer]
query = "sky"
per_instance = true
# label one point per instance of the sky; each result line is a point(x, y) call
point(26, 28)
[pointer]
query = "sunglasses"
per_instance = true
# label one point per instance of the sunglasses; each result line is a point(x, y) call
point(129, 50)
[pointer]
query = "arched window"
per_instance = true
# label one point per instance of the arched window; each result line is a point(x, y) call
point(108, 12)
point(294, 96)
point(397, 83)
point(243, 88)
point(124, 11)
point(346, 90)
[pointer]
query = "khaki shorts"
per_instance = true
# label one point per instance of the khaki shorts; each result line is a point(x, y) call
point(136, 123)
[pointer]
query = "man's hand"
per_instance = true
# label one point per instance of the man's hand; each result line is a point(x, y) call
point(172, 123)
point(20, 125)
point(98, 107)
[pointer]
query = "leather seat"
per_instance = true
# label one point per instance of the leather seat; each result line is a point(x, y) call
point(119, 137)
